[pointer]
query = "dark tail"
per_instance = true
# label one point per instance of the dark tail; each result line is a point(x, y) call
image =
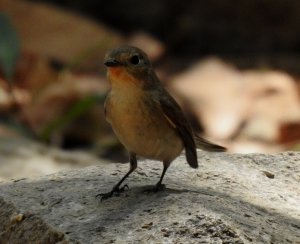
point(207, 145)
point(191, 157)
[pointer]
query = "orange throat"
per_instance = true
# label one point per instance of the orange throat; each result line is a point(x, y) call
point(120, 76)
point(114, 71)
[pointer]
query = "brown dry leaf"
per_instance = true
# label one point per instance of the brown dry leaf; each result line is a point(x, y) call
point(34, 72)
point(245, 105)
point(289, 132)
point(48, 31)
point(212, 88)
point(275, 101)
point(15, 98)
point(54, 100)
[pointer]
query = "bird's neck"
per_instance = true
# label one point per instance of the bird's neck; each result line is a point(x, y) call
point(121, 79)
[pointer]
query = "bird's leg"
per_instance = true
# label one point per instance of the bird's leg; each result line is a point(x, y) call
point(116, 188)
point(159, 186)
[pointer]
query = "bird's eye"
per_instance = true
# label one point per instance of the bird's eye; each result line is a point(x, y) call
point(135, 59)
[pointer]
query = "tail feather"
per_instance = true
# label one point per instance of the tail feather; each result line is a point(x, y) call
point(191, 157)
point(207, 145)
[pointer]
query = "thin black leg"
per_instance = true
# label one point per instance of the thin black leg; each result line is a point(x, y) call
point(159, 186)
point(116, 188)
point(162, 175)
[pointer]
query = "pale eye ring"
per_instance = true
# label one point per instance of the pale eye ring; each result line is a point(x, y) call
point(135, 59)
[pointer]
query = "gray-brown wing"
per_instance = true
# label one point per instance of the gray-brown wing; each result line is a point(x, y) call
point(176, 118)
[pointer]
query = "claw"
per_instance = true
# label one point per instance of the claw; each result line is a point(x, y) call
point(124, 188)
point(160, 187)
point(104, 196)
point(115, 190)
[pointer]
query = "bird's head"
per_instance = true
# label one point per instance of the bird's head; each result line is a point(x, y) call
point(130, 60)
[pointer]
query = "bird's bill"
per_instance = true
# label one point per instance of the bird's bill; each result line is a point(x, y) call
point(112, 63)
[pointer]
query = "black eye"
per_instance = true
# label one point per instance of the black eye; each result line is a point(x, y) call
point(135, 59)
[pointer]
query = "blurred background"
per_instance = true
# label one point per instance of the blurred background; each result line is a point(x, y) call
point(232, 65)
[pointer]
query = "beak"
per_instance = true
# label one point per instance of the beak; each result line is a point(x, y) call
point(112, 63)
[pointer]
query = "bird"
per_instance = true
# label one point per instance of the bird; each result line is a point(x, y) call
point(145, 117)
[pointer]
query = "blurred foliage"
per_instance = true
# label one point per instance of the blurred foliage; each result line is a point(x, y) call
point(9, 47)
point(76, 110)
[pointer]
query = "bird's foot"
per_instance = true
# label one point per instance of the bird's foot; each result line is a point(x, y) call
point(156, 188)
point(115, 191)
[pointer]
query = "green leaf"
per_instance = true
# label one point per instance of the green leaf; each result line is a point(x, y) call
point(9, 47)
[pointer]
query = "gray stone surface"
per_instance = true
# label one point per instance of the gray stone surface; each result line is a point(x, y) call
point(23, 158)
point(230, 199)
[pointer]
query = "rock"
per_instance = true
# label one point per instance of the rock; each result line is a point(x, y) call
point(253, 146)
point(229, 199)
point(21, 158)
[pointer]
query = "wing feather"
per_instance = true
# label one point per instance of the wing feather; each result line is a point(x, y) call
point(177, 120)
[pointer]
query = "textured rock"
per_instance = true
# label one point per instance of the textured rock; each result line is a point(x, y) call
point(250, 198)
point(23, 158)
